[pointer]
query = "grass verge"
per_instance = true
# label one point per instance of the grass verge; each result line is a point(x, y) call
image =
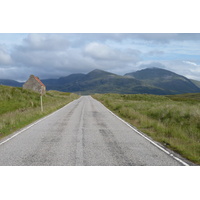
point(172, 120)
point(19, 107)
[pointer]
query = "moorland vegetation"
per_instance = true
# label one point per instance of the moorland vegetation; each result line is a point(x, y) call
point(172, 120)
point(20, 107)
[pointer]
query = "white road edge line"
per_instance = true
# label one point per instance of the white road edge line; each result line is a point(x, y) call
point(151, 141)
point(34, 123)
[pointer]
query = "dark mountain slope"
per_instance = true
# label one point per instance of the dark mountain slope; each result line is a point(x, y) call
point(96, 81)
point(99, 74)
point(99, 81)
point(10, 83)
point(151, 74)
point(71, 78)
point(197, 83)
point(166, 80)
point(63, 82)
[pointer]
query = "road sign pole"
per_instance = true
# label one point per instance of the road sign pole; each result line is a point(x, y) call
point(41, 103)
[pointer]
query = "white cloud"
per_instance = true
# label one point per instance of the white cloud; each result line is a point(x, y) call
point(47, 42)
point(100, 51)
point(191, 63)
point(112, 59)
point(103, 52)
point(55, 55)
point(5, 58)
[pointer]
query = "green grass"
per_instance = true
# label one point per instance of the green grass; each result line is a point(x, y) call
point(172, 120)
point(19, 107)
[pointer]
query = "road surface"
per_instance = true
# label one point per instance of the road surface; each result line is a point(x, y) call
point(83, 133)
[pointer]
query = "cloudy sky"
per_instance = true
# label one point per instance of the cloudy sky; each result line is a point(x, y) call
point(55, 55)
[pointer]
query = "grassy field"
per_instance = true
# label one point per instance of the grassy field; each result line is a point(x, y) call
point(172, 120)
point(20, 107)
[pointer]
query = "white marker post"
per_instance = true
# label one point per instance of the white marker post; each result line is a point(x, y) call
point(41, 103)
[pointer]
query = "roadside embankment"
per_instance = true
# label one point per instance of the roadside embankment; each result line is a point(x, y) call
point(19, 107)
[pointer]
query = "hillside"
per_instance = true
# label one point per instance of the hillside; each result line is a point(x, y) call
point(148, 81)
point(197, 83)
point(167, 80)
point(20, 107)
point(10, 83)
point(99, 81)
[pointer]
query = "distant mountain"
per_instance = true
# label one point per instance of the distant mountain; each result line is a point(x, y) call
point(62, 83)
point(197, 83)
point(151, 74)
point(10, 83)
point(149, 81)
point(97, 81)
point(99, 74)
point(166, 80)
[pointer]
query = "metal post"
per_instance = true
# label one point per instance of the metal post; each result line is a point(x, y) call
point(41, 103)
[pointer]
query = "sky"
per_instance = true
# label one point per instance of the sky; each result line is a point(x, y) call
point(54, 55)
point(23, 52)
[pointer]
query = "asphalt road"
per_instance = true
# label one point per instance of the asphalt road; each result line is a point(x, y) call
point(83, 133)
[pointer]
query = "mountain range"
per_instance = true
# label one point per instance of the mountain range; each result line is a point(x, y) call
point(149, 81)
